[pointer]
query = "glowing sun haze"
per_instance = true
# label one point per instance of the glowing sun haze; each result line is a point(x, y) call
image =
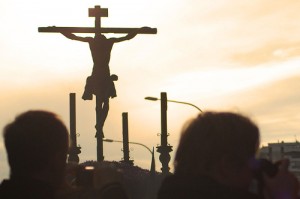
point(232, 55)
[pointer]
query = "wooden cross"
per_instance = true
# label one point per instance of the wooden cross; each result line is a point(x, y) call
point(96, 12)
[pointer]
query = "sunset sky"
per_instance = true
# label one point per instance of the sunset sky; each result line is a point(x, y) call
point(232, 55)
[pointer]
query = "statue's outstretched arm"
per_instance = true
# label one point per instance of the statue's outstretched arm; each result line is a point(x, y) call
point(75, 37)
point(129, 36)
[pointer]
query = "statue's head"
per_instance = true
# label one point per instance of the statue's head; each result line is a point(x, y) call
point(99, 36)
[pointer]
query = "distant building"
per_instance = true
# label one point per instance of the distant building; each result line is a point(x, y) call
point(280, 150)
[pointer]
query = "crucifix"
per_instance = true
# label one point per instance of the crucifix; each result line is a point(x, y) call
point(100, 83)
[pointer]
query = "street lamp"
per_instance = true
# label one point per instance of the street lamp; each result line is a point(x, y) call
point(136, 143)
point(174, 101)
point(152, 169)
point(164, 149)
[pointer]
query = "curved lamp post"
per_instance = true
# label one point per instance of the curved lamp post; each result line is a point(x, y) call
point(152, 169)
point(174, 101)
point(164, 149)
point(136, 143)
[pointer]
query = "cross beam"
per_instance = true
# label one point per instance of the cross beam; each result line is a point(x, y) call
point(96, 12)
point(54, 29)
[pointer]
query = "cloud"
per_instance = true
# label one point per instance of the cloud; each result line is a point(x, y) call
point(275, 51)
point(274, 106)
point(244, 33)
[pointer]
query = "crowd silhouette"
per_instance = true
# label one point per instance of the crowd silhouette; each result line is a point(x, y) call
point(215, 159)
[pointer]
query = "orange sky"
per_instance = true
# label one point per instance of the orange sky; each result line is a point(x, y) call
point(227, 55)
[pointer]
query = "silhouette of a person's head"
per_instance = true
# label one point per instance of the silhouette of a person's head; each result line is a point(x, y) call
point(218, 143)
point(37, 143)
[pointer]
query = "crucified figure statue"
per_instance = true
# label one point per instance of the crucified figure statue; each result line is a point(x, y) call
point(101, 82)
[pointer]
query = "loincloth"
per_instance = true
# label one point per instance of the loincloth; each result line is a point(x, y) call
point(103, 88)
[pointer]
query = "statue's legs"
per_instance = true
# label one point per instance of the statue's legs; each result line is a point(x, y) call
point(105, 109)
point(102, 107)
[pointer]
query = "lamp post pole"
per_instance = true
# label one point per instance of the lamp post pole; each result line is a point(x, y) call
point(164, 149)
